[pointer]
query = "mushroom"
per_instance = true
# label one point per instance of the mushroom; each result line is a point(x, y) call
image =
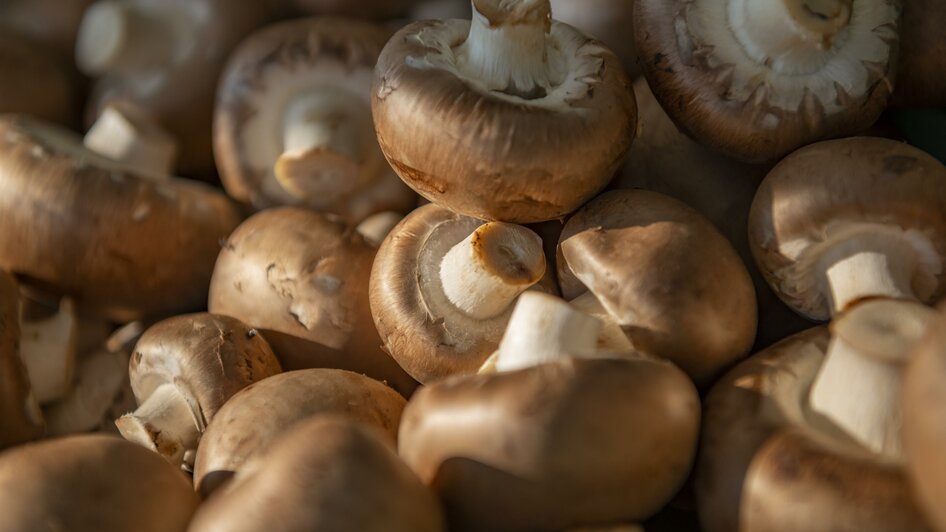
point(35, 81)
point(607, 20)
point(767, 453)
point(92, 483)
point(52, 23)
point(48, 348)
point(21, 419)
point(182, 371)
point(375, 228)
point(553, 434)
point(164, 56)
point(443, 287)
point(293, 124)
point(662, 278)
point(121, 244)
point(256, 416)
point(126, 135)
point(100, 379)
point(756, 79)
point(842, 221)
point(511, 117)
point(327, 473)
point(922, 58)
point(301, 278)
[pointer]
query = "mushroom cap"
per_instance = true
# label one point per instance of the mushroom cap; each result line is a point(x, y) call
point(606, 20)
point(811, 195)
point(493, 155)
point(748, 110)
point(207, 357)
point(373, 9)
point(666, 275)
point(567, 443)
point(302, 279)
point(92, 483)
point(922, 58)
point(123, 245)
point(20, 417)
point(37, 82)
point(253, 418)
point(327, 473)
point(264, 74)
point(765, 396)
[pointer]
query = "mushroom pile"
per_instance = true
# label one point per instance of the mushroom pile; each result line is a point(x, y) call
point(472, 265)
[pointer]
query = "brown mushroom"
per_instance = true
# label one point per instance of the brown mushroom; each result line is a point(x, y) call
point(663, 279)
point(375, 228)
point(92, 484)
point(510, 117)
point(21, 419)
point(607, 20)
point(922, 58)
point(756, 79)
point(253, 418)
point(35, 81)
point(327, 474)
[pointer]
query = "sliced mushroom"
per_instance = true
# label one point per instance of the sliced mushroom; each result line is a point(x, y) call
point(756, 79)
point(21, 419)
point(607, 20)
point(182, 371)
point(35, 81)
point(847, 220)
point(327, 473)
point(255, 417)
point(92, 484)
point(922, 58)
point(511, 117)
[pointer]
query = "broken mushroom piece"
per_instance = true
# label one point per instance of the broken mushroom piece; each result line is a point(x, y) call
point(21, 420)
point(793, 478)
point(756, 79)
point(296, 129)
point(510, 117)
point(327, 474)
point(256, 416)
point(35, 82)
point(846, 220)
point(92, 483)
point(134, 246)
point(443, 287)
point(662, 278)
point(609, 21)
point(182, 371)
point(561, 436)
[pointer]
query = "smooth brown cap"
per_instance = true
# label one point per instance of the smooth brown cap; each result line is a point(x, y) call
point(301, 278)
point(492, 155)
point(20, 417)
point(92, 484)
point(36, 82)
point(327, 474)
point(854, 180)
point(922, 61)
point(668, 277)
point(568, 443)
point(253, 418)
point(123, 245)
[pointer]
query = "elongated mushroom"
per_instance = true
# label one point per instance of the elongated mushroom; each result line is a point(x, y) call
point(662, 277)
point(21, 419)
point(443, 287)
point(182, 371)
point(846, 220)
point(607, 20)
point(756, 79)
point(511, 117)
point(562, 436)
point(92, 484)
point(119, 243)
point(36, 82)
point(255, 417)
point(328, 473)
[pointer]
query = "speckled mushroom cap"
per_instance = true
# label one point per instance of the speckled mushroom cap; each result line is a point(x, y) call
point(92, 483)
point(36, 82)
point(668, 277)
point(766, 397)
point(253, 418)
point(265, 74)
point(922, 58)
point(122, 244)
point(326, 474)
point(566, 443)
point(750, 103)
point(498, 154)
point(21, 419)
point(302, 279)
point(816, 194)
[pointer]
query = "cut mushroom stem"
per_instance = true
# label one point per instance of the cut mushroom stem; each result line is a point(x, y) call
point(376, 227)
point(163, 423)
point(507, 48)
point(48, 350)
point(484, 273)
point(117, 35)
point(792, 36)
point(858, 386)
point(611, 337)
point(325, 135)
point(127, 136)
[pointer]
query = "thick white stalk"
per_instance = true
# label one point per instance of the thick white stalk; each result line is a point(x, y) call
point(127, 136)
point(868, 266)
point(484, 273)
point(115, 35)
point(163, 423)
point(611, 337)
point(48, 350)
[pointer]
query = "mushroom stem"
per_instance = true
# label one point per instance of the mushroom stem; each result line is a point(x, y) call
point(507, 49)
point(48, 350)
point(484, 273)
point(611, 337)
point(790, 36)
point(127, 136)
point(325, 135)
point(376, 227)
point(115, 35)
point(164, 423)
